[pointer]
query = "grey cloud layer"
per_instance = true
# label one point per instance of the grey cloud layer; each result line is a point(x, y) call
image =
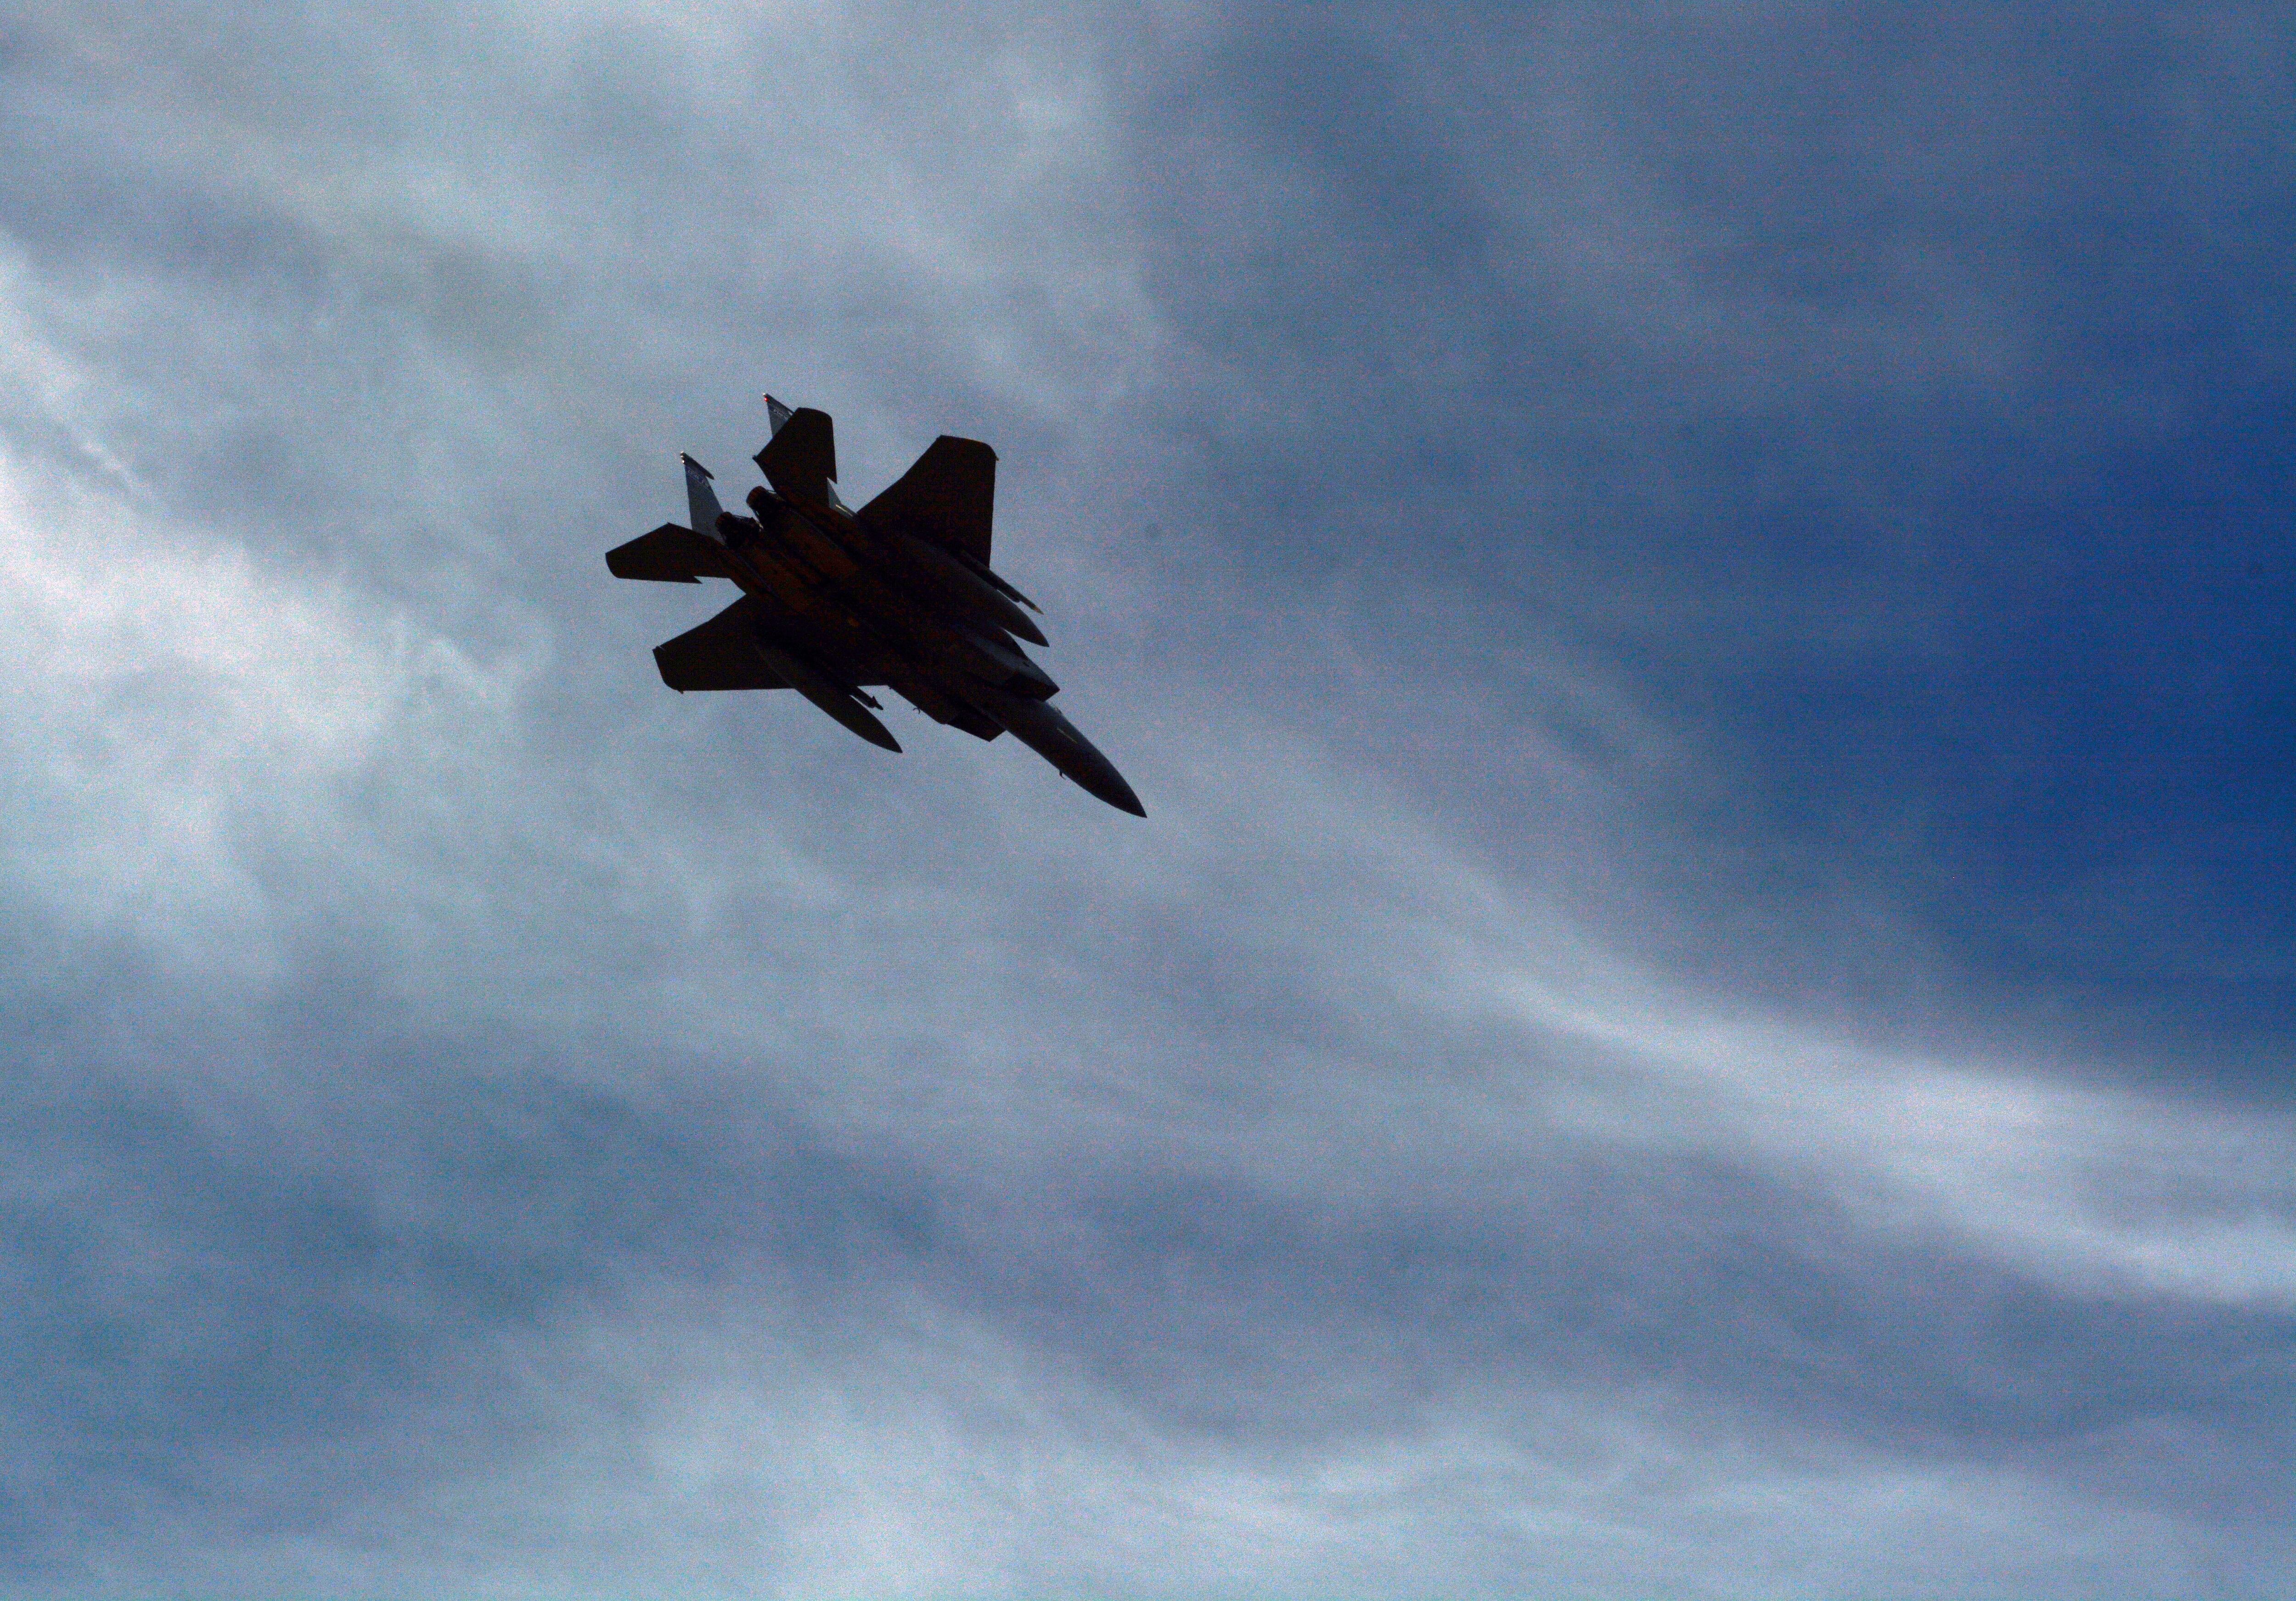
point(1520, 1116)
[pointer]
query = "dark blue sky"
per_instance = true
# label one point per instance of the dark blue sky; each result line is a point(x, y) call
point(1699, 597)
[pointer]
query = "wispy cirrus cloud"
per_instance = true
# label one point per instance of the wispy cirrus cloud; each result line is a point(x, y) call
point(1687, 591)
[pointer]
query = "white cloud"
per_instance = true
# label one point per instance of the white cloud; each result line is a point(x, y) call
point(1328, 1080)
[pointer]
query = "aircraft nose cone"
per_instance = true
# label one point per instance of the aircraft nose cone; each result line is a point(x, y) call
point(1043, 729)
point(1121, 796)
point(1097, 776)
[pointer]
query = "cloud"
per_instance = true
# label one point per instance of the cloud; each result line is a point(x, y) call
point(1673, 1024)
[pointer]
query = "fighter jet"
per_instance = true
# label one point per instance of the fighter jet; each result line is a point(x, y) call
point(834, 603)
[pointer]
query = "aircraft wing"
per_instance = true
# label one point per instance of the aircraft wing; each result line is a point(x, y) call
point(947, 496)
point(673, 554)
point(724, 653)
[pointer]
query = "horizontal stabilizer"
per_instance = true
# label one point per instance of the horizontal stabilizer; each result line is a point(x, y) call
point(722, 653)
point(673, 554)
point(947, 496)
point(800, 460)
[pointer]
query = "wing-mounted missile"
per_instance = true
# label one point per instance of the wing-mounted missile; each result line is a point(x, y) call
point(982, 570)
point(965, 591)
point(743, 647)
point(837, 699)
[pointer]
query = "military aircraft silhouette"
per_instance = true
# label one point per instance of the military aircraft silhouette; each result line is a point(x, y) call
point(836, 602)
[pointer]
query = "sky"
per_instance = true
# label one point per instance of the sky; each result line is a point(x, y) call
point(1699, 596)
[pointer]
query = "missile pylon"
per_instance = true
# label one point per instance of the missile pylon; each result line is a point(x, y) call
point(838, 701)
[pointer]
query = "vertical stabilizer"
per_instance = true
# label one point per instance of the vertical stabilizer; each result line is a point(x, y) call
point(701, 499)
point(776, 414)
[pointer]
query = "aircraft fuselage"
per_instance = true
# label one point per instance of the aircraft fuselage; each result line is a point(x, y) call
point(898, 594)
